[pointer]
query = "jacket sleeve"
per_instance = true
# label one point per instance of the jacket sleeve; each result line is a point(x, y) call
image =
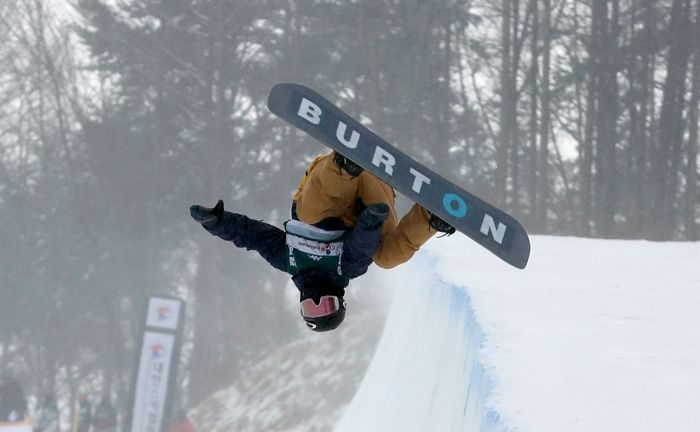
point(400, 239)
point(403, 240)
point(268, 240)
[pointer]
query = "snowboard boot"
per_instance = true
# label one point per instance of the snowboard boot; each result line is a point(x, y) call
point(440, 225)
point(346, 164)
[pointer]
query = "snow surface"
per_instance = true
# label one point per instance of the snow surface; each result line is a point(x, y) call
point(595, 335)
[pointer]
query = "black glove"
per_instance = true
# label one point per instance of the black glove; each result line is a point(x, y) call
point(207, 216)
point(373, 216)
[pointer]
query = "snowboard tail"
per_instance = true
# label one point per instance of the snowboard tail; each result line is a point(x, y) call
point(489, 226)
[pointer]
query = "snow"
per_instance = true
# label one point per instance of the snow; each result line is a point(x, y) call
point(302, 386)
point(595, 335)
point(15, 427)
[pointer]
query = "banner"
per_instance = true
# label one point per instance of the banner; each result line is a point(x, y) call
point(156, 364)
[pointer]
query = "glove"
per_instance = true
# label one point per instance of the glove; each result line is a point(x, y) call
point(207, 216)
point(373, 216)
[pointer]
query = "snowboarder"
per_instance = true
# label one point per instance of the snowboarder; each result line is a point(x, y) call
point(343, 219)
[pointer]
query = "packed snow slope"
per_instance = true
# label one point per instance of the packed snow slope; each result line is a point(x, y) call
point(593, 336)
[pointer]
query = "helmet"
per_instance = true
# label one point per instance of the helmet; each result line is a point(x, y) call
point(325, 314)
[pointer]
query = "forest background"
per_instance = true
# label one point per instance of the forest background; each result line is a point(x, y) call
point(578, 117)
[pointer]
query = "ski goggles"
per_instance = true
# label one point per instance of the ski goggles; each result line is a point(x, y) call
point(327, 305)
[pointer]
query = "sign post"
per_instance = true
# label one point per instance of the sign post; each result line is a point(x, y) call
point(153, 385)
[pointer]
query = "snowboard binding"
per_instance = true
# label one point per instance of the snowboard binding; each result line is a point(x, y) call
point(440, 225)
point(346, 164)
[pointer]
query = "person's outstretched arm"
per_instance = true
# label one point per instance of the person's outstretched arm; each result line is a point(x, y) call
point(268, 240)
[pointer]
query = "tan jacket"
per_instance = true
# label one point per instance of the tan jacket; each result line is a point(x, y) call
point(326, 191)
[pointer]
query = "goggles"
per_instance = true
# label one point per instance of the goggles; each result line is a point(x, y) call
point(327, 305)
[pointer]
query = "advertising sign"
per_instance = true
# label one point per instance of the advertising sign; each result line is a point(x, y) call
point(156, 365)
point(163, 313)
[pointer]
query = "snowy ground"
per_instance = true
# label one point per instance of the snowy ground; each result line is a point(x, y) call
point(593, 336)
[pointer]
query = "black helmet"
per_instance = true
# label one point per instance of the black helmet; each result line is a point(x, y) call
point(325, 314)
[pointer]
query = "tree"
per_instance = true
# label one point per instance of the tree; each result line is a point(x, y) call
point(667, 153)
point(691, 193)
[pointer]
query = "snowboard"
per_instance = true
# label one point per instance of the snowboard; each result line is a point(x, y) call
point(489, 226)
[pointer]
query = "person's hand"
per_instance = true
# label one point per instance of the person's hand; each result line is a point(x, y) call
point(207, 216)
point(374, 215)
